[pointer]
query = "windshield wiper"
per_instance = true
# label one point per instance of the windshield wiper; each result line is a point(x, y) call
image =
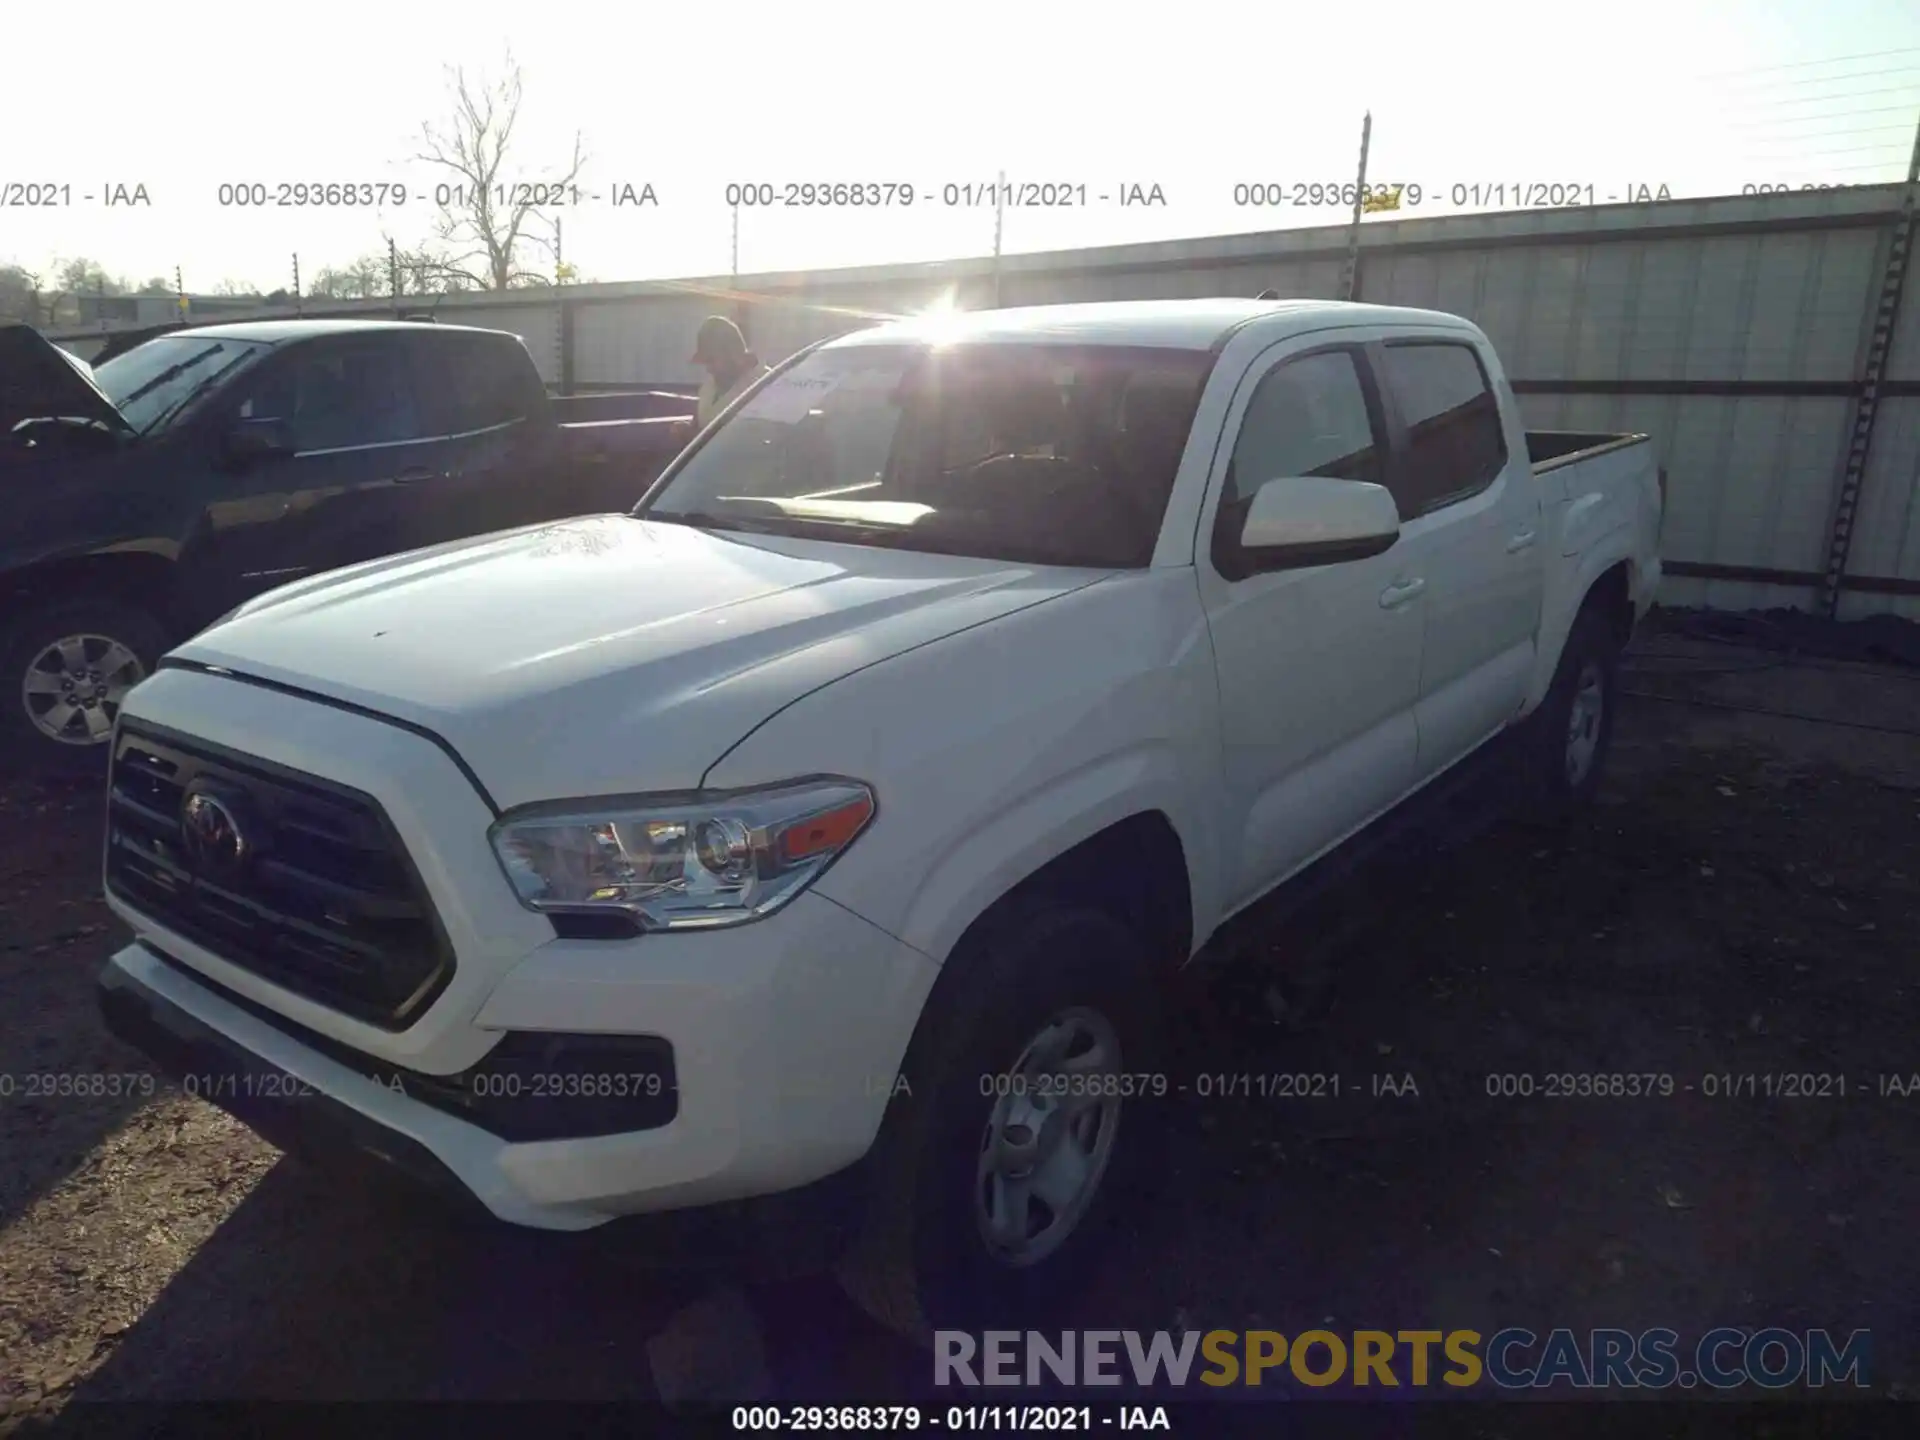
point(206, 383)
point(172, 372)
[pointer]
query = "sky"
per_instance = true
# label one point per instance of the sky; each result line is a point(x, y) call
point(1702, 96)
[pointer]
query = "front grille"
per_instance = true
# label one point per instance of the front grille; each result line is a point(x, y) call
point(320, 898)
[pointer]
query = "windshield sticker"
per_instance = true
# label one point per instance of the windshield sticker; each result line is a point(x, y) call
point(882, 378)
point(791, 398)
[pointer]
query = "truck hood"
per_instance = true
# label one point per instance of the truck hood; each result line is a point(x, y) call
point(40, 381)
point(608, 655)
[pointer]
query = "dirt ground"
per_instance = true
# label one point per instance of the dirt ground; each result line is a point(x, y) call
point(1744, 901)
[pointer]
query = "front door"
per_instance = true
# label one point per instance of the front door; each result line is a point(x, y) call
point(1318, 666)
point(362, 449)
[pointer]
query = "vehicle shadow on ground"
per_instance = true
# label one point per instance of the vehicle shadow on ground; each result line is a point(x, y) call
point(63, 1089)
point(333, 1285)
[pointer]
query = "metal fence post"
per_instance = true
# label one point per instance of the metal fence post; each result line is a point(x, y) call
point(1879, 345)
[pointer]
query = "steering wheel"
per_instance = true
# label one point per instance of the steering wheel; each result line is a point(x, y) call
point(1068, 474)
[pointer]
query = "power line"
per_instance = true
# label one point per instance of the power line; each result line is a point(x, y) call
point(1831, 79)
point(1912, 88)
point(1852, 130)
point(1803, 64)
point(1836, 115)
point(1848, 150)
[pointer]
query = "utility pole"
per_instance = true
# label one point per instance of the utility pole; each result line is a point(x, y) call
point(180, 292)
point(298, 307)
point(733, 266)
point(393, 275)
point(999, 226)
point(1350, 281)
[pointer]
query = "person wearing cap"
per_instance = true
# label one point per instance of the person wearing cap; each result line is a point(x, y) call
point(731, 367)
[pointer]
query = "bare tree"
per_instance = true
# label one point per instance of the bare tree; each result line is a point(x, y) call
point(236, 287)
point(80, 276)
point(420, 270)
point(27, 295)
point(496, 213)
point(20, 295)
point(361, 279)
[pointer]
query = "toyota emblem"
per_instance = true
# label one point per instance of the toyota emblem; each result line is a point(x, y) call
point(212, 832)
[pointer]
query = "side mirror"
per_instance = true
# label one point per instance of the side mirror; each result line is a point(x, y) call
point(253, 440)
point(1316, 521)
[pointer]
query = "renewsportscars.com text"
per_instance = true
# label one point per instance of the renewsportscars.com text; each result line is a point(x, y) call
point(1511, 1359)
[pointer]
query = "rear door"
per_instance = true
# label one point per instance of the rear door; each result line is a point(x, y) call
point(362, 443)
point(1475, 529)
point(485, 396)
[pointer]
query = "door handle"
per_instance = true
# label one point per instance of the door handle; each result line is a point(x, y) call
point(1522, 541)
point(1400, 592)
point(414, 475)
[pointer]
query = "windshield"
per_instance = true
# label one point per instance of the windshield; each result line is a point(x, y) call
point(152, 383)
point(1056, 454)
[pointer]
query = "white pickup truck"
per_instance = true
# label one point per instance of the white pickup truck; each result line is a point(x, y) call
point(827, 825)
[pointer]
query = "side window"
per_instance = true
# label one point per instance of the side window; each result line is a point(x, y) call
point(337, 396)
point(1456, 445)
point(1307, 417)
point(478, 383)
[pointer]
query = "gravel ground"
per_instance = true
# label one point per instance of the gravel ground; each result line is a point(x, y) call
point(1744, 901)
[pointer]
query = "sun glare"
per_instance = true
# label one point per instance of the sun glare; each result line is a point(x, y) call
point(942, 319)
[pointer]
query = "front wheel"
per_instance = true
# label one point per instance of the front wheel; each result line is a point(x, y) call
point(1026, 1135)
point(66, 669)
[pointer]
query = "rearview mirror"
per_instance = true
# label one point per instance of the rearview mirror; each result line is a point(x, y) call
point(252, 440)
point(1316, 521)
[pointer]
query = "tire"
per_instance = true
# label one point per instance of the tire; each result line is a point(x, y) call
point(923, 1261)
point(119, 646)
point(1566, 759)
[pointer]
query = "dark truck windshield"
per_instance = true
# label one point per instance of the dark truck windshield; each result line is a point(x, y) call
point(1054, 454)
point(152, 383)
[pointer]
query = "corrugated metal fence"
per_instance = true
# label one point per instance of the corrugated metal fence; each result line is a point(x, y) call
point(1733, 331)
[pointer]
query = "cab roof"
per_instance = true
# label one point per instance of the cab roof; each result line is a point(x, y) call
point(275, 332)
point(1175, 324)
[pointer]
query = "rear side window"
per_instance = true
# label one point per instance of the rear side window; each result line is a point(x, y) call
point(1456, 445)
point(478, 382)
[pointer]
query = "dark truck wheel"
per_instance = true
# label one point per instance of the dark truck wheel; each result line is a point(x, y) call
point(1026, 1135)
point(1573, 727)
point(66, 669)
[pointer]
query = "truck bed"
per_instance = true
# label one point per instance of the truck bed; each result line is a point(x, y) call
point(1549, 449)
point(636, 404)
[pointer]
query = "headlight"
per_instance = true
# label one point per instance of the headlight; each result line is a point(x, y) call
point(681, 862)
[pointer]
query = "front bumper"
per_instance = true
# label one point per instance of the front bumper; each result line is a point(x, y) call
point(278, 1105)
point(787, 1034)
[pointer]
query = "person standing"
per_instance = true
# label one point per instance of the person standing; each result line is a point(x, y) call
point(721, 350)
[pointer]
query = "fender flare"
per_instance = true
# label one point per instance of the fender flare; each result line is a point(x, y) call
point(1608, 551)
point(989, 861)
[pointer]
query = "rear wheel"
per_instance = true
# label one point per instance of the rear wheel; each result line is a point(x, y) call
point(1573, 728)
point(66, 669)
point(1028, 1131)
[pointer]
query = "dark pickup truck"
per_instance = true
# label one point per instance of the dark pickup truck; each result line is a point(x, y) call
point(142, 500)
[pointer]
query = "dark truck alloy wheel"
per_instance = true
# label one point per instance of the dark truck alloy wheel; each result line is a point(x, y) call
point(66, 670)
